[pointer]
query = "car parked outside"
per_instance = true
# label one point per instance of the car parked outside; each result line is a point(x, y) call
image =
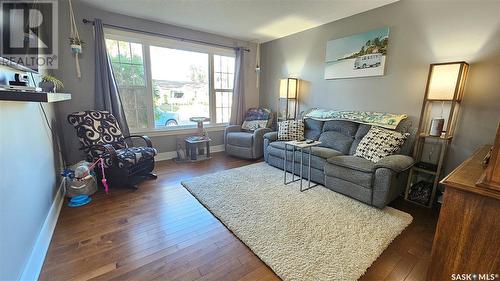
point(165, 118)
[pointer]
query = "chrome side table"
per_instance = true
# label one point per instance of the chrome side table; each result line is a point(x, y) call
point(300, 146)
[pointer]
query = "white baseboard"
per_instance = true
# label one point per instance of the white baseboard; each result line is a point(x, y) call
point(37, 257)
point(162, 156)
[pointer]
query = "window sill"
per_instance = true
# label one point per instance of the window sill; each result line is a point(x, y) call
point(178, 131)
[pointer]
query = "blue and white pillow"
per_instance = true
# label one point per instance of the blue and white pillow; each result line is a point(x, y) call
point(379, 143)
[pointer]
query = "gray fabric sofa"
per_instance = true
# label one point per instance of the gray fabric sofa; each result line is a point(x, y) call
point(334, 165)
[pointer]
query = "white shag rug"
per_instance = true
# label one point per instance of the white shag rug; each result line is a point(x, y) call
point(315, 235)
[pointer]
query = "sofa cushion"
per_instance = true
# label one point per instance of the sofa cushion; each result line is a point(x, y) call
point(338, 134)
point(353, 162)
point(335, 140)
point(324, 152)
point(244, 139)
point(379, 143)
point(312, 128)
point(319, 151)
point(318, 159)
point(347, 128)
point(280, 145)
point(352, 169)
point(360, 134)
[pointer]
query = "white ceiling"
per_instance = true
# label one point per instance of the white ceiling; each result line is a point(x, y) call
point(250, 20)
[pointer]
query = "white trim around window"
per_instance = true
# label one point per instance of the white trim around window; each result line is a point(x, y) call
point(146, 41)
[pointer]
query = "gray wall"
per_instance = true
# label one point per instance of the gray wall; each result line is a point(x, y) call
point(83, 89)
point(422, 32)
point(29, 161)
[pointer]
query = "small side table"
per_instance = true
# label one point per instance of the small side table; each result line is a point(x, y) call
point(299, 145)
point(192, 144)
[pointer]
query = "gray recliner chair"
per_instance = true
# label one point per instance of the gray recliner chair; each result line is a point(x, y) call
point(247, 140)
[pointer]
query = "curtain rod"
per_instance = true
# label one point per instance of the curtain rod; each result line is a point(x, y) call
point(86, 21)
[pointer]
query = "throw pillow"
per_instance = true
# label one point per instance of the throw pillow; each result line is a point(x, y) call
point(291, 130)
point(379, 143)
point(253, 125)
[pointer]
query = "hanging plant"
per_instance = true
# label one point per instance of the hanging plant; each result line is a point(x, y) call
point(75, 42)
point(76, 45)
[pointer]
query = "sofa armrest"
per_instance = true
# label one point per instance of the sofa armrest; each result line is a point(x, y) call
point(232, 128)
point(260, 132)
point(271, 136)
point(396, 163)
point(258, 141)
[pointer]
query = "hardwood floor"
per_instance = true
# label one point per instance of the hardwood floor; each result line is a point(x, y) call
point(161, 232)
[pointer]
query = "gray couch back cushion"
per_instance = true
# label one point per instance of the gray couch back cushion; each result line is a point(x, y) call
point(344, 136)
point(339, 135)
point(360, 134)
point(405, 126)
point(313, 128)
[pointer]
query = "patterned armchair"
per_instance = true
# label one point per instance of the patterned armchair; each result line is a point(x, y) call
point(247, 140)
point(100, 136)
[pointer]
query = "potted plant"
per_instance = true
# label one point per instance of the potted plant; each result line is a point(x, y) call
point(76, 45)
point(50, 84)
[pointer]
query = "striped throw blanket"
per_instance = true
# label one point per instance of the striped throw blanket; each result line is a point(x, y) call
point(381, 119)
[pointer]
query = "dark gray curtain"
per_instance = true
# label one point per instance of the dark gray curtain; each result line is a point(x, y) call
point(238, 105)
point(106, 90)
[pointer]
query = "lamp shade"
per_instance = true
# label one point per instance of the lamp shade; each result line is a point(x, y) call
point(288, 88)
point(446, 80)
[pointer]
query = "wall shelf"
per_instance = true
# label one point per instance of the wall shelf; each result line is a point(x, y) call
point(33, 96)
point(443, 137)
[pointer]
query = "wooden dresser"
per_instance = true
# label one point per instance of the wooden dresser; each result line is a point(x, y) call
point(467, 238)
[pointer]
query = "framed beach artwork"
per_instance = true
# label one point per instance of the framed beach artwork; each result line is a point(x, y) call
point(358, 55)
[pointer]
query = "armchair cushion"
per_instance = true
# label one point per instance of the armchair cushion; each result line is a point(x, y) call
point(257, 118)
point(97, 127)
point(132, 156)
point(252, 125)
point(242, 139)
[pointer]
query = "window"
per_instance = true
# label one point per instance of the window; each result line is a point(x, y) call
point(128, 67)
point(224, 77)
point(180, 81)
point(163, 83)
